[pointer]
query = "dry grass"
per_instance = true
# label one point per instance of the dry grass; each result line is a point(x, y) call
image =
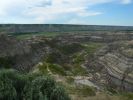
point(99, 96)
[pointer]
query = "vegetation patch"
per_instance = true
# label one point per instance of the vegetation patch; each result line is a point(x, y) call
point(16, 86)
point(127, 96)
point(43, 68)
point(70, 48)
point(86, 91)
point(79, 70)
point(29, 35)
point(91, 47)
point(69, 79)
point(6, 62)
point(56, 69)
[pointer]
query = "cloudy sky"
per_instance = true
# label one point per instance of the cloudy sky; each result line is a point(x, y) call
point(91, 12)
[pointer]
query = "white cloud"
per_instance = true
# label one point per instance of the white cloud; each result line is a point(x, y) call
point(43, 11)
point(67, 7)
point(126, 1)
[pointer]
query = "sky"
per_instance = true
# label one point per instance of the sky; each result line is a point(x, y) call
point(88, 12)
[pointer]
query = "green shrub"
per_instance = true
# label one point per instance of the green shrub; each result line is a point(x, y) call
point(7, 90)
point(59, 94)
point(54, 57)
point(43, 68)
point(6, 62)
point(79, 70)
point(16, 86)
point(56, 69)
point(70, 48)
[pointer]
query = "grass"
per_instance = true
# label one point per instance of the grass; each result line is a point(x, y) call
point(86, 91)
point(43, 68)
point(127, 96)
point(79, 70)
point(92, 47)
point(69, 80)
point(70, 48)
point(78, 58)
point(46, 68)
point(81, 90)
point(29, 35)
point(56, 69)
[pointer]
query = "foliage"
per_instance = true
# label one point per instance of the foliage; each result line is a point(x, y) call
point(70, 80)
point(43, 68)
point(86, 91)
point(6, 62)
point(54, 57)
point(59, 94)
point(56, 69)
point(78, 58)
point(70, 48)
point(90, 48)
point(16, 86)
point(127, 96)
point(79, 70)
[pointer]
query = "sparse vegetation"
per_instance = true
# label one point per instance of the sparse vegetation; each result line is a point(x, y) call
point(79, 70)
point(91, 47)
point(70, 48)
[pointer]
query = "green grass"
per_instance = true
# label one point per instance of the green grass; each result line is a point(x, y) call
point(70, 48)
point(29, 35)
point(69, 80)
point(79, 70)
point(53, 68)
point(86, 90)
point(92, 47)
point(81, 90)
point(127, 96)
point(43, 68)
point(56, 69)
point(78, 58)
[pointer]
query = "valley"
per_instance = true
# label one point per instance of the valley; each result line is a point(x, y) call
point(90, 62)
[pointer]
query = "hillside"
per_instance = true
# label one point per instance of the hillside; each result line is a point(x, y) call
point(90, 65)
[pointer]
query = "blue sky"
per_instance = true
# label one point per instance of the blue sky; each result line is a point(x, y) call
point(90, 12)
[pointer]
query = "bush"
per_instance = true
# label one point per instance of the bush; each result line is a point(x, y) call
point(54, 57)
point(6, 62)
point(7, 90)
point(43, 68)
point(70, 48)
point(86, 91)
point(59, 94)
point(57, 69)
point(16, 86)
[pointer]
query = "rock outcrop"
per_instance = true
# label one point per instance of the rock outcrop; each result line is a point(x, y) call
point(119, 66)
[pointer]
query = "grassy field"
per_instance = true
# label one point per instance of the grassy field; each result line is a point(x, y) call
point(29, 35)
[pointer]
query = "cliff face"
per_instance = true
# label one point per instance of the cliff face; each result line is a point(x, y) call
point(118, 63)
point(23, 55)
point(119, 70)
point(11, 47)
